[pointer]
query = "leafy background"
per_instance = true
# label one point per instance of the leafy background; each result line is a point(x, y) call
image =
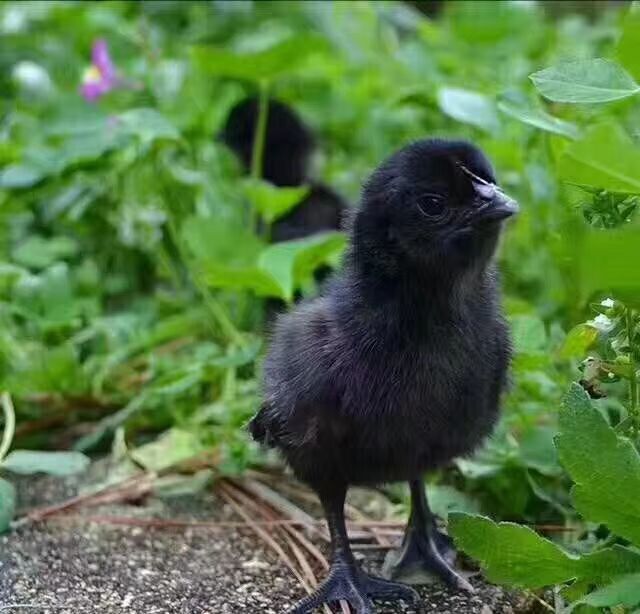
point(133, 269)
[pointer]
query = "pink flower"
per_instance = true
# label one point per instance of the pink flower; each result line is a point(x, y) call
point(100, 78)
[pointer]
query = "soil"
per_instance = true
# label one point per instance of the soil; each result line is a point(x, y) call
point(68, 565)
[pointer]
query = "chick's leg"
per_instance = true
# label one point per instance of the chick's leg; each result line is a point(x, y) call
point(346, 580)
point(424, 547)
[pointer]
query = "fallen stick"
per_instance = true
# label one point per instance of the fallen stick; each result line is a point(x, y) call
point(131, 488)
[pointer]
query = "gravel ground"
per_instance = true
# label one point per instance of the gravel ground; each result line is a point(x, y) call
point(72, 567)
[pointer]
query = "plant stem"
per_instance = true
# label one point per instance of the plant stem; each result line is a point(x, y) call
point(257, 154)
point(634, 410)
point(9, 424)
point(259, 139)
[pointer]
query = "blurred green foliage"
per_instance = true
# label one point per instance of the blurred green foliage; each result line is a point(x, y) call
point(133, 270)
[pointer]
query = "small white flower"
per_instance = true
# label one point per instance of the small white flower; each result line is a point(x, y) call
point(602, 323)
point(32, 78)
point(607, 302)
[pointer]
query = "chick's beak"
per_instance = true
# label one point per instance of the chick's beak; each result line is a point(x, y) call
point(493, 204)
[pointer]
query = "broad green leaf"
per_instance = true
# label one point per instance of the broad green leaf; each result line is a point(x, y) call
point(608, 260)
point(578, 340)
point(38, 252)
point(250, 278)
point(17, 176)
point(540, 119)
point(84, 149)
point(282, 58)
point(445, 499)
point(76, 118)
point(624, 592)
point(227, 257)
point(273, 202)
point(492, 24)
point(584, 81)
point(510, 553)
point(627, 49)
point(7, 504)
point(292, 262)
point(148, 125)
point(168, 450)
point(529, 334)
point(469, 107)
point(538, 452)
point(601, 566)
point(607, 483)
point(213, 241)
point(28, 462)
point(605, 158)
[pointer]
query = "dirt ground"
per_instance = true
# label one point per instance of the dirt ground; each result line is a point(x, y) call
point(71, 566)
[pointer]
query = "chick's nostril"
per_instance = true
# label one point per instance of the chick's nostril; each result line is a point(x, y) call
point(485, 191)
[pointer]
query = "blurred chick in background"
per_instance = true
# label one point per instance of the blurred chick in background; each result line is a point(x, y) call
point(289, 146)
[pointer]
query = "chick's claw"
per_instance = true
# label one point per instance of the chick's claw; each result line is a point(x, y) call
point(379, 588)
point(341, 585)
point(420, 553)
point(357, 588)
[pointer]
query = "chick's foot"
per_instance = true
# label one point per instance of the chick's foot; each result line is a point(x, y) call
point(349, 583)
point(431, 552)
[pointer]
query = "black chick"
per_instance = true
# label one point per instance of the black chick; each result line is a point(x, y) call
point(288, 148)
point(398, 366)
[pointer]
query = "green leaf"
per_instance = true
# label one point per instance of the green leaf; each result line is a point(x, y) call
point(178, 381)
point(47, 296)
point(56, 369)
point(607, 260)
point(445, 499)
point(147, 125)
point(538, 452)
point(17, 176)
point(169, 449)
point(584, 81)
point(250, 278)
point(7, 504)
point(38, 252)
point(291, 263)
point(540, 119)
point(601, 566)
point(469, 107)
point(227, 256)
point(578, 340)
point(605, 158)
point(213, 241)
point(510, 553)
point(28, 462)
point(273, 202)
point(624, 592)
point(607, 483)
point(627, 49)
point(529, 334)
point(281, 58)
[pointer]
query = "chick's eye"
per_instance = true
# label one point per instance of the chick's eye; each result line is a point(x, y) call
point(431, 204)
